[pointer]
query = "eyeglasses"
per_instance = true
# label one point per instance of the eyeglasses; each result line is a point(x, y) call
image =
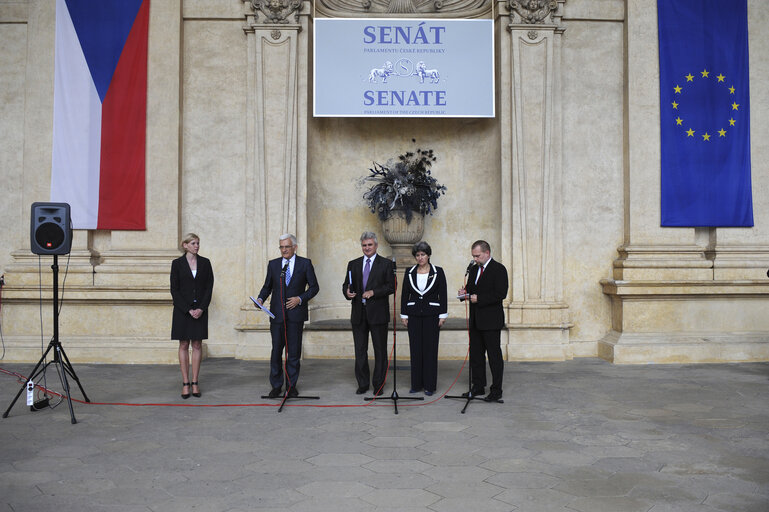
point(285, 247)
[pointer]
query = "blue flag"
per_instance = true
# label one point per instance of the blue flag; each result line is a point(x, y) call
point(705, 113)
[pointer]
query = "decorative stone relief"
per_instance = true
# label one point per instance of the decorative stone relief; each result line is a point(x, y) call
point(534, 12)
point(276, 11)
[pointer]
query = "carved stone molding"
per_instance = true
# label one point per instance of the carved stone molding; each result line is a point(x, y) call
point(535, 12)
point(403, 8)
point(276, 11)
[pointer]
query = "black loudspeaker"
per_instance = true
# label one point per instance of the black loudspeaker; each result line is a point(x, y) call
point(50, 228)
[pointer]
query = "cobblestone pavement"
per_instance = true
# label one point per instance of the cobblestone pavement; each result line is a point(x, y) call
point(581, 435)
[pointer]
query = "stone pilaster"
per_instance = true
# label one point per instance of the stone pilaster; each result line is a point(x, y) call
point(276, 156)
point(531, 141)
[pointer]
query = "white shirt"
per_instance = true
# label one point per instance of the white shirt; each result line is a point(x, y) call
point(478, 275)
point(290, 269)
point(371, 259)
point(290, 264)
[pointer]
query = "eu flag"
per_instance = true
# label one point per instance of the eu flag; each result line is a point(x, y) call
point(705, 113)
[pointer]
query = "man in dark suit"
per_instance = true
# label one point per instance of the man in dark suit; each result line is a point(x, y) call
point(368, 283)
point(292, 283)
point(486, 288)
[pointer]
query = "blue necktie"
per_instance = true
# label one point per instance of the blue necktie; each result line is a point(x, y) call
point(288, 272)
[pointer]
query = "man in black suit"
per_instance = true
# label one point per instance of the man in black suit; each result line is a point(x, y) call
point(368, 283)
point(292, 283)
point(486, 288)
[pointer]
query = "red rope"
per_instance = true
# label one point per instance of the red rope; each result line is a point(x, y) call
point(371, 403)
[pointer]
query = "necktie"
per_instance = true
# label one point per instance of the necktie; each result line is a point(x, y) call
point(480, 273)
point(288, 272)
point(366, 272)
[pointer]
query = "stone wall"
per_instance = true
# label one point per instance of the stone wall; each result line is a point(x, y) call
point(563, 183)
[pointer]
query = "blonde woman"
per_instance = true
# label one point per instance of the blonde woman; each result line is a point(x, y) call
point(192, 283)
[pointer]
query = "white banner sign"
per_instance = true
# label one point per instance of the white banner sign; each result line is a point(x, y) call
point(403, 68)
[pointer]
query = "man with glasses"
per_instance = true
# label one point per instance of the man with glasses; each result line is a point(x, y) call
point(368, 283)
point(292, 283)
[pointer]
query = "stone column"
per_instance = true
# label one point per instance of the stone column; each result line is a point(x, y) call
point(678, 294)
point(276, 159)
point(531, 138)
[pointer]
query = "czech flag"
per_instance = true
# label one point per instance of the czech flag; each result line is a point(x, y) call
point(100, 112)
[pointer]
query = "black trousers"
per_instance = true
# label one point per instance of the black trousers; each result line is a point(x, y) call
point(423, 345)
point(291, 336)
point(360, 334)
point(484, 343)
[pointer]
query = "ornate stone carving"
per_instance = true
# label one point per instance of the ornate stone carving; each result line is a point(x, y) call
point(276, 11)
point(396, 8)
point(533, 11)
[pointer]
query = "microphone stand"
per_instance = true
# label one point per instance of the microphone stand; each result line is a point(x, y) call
point(290, 386)
point(469, 396)
point(394, 396)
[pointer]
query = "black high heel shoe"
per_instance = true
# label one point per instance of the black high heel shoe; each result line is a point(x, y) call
point(198, 394)
point(186, 396)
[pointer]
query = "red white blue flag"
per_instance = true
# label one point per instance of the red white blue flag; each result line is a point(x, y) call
point(100, 112)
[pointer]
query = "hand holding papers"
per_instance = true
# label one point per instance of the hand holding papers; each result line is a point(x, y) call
point(258, 305)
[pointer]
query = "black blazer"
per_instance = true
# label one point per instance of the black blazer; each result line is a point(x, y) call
point(303, 284)
point(488, 313)
point(431, 302)
point(191, 292)
point(381, 279)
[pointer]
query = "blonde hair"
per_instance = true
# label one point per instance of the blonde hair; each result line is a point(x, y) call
point(189, 237)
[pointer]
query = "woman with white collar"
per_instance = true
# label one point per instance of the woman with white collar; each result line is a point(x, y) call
point(424, 308)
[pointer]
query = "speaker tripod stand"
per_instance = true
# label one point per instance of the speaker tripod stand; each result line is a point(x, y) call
point(59, 356)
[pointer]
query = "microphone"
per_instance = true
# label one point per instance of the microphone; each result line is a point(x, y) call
point(469, 268)
point(283, 272)
point(395, 267)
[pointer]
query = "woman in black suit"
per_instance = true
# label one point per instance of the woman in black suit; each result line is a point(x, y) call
point(424, 308)
point(192, 283)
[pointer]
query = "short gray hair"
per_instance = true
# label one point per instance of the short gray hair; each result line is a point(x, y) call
point(286, 236)
point(422, 247)
point(369, 235)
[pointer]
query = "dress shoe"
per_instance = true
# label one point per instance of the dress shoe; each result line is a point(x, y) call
point(412, 390)
point(198, 394)
point(185, 395)
point(293, 393)
point(361, 390)
point(494, 396)
point(274, 393)
point(476, 392)
point(429, 393)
